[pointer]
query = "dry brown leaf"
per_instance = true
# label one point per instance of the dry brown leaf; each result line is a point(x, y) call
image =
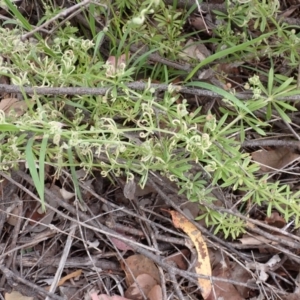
point(129, 189)
point(122, 245)
point(240, 273)
point(288, 12)
point(115, 64)
point(180, 259)
point(275, 220)
point(13, 218)
point(143, 282)
point(223, 290)
point(16, 296)
point(274, 159)
point(74, 274)
point(200, 24)
point(67, 277)
point(155, 293)
point(139, 264)
point(6, 103)
point(66, 194)
point(13, 104)
point(138, 191)
point(195, 50)
point(203, 266)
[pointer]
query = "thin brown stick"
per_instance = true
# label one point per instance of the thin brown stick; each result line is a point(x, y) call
point(71, 262)
point(271, 143)
point(12, 277)
point(137, 85)
point(133, 231)
point(63, 259)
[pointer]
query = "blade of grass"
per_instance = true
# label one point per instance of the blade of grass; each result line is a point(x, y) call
point(226, 52)
point(91, 18)
point(270, 80)
point(42, 158)
point(99, 37)
point(140, 59)
point(18, 15)
point(221, 92)
point(8, 127)
point(30, 159)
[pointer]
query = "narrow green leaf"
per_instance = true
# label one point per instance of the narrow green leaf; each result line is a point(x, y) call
point(256, 105)
point(284, 86)
point(242, 132)
point(137, 59)
point(280, 77)
point(17, 14)
point(42, 158)
point(221, 92)
point(30, 159)
point(282, 114)
point(270, 80)
point(91, 18)
point(8, 127)
point(289, 93)
point(256, 128)
point(99, 38)
point(226, 52)
point(221, 122)
point(286, 105)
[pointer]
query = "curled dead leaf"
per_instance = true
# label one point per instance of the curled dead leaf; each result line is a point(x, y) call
point(224, 290)
point(14, 295)
point(13, 104)
point(203, 266)
point(155, 293)
point(139, 264)
point(74, 274)
point(274, 159)
point(129, 189)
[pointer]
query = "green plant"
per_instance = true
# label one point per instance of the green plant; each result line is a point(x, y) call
point(272, 94)
point(230, 225)
point(132, 133)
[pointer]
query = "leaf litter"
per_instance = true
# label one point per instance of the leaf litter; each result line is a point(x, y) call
point(110, 260)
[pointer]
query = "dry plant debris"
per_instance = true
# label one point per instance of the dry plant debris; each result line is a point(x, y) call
point(115, 115)
point(202, 266)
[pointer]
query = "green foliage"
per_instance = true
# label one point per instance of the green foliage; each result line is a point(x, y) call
point(230, 225)
point(37, 177)
point(127, 132)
